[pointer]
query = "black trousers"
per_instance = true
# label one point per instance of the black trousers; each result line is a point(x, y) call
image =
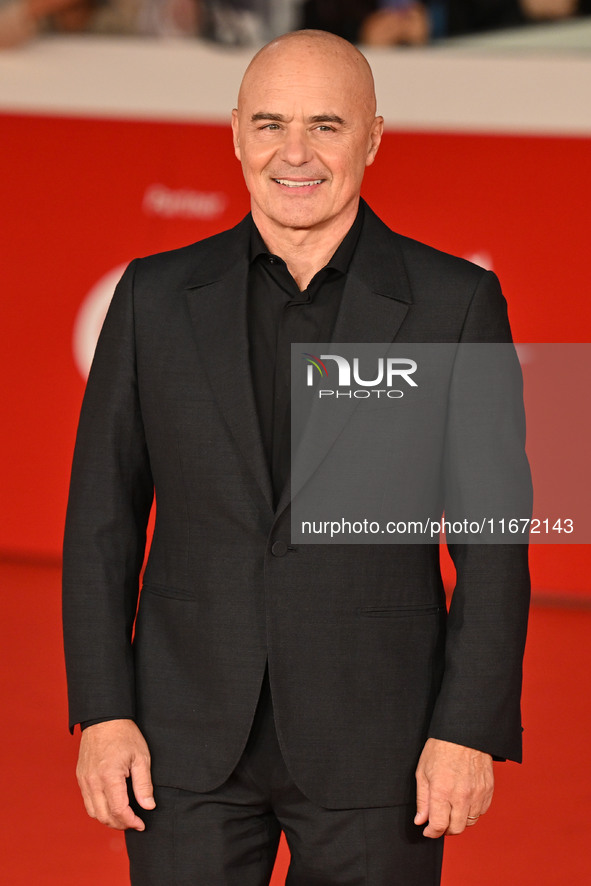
point(229, 837)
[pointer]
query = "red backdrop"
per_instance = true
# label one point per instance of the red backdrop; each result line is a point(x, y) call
point(82, 196)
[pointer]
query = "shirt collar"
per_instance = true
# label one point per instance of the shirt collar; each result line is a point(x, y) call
point(341, 258)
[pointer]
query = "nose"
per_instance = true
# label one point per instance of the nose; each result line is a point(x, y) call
point(295, 147)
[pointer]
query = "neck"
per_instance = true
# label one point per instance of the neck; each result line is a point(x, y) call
point(305, 251)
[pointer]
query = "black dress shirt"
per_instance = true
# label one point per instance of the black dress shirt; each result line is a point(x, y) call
point(279, 314)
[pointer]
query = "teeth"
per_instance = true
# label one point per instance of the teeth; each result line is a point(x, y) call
point(291, 184)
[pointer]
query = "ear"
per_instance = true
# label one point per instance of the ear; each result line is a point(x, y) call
point(235, 137)
point(375, 137)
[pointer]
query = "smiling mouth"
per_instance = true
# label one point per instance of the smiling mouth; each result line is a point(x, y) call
point(290, 183)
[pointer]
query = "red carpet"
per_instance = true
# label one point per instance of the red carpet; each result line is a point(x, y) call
point(534, 834)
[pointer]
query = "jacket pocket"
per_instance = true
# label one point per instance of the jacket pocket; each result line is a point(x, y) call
point(401, 611)
point(170, 593)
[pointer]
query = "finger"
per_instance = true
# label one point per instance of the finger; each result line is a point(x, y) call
point(119, 813)
point(460, 810)
point(142, 782)
point(479, 806)
point(439, 818)
point(92, 793)
point(422, 815)
point(487, 801)
point(101, 809)
point(87, 799)
point(124, 818)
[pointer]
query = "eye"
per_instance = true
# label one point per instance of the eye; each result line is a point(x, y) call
point(325, 128)
point(271, 126)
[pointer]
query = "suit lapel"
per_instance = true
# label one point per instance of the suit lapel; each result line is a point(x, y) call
point(375, 301)
point(377, 293)
point(217, 304)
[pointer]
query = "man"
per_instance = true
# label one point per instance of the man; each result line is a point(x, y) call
point(275, 686)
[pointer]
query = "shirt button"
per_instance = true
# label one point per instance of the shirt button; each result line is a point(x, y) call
point(272, 260)
point(279, 549)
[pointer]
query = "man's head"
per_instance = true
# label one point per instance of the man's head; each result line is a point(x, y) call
point(305, 129)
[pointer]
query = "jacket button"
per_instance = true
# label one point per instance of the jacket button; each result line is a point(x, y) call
point(279, 549)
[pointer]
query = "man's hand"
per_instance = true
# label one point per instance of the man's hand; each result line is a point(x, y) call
point(454, 787)
point(110, 752)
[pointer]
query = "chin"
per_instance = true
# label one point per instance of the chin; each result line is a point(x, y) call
point(297, 216)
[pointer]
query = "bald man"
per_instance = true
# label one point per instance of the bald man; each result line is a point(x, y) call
point(260, 686)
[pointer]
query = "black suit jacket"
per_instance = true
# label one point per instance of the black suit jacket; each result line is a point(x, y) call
point(364, 661)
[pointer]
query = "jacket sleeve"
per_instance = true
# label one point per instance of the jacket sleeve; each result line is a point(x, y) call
point(111, 492)
point(479, 701)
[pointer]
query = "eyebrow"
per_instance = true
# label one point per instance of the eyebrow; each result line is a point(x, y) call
point(280, 118)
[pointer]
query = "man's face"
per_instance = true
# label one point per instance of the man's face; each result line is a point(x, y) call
point(304, 132)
